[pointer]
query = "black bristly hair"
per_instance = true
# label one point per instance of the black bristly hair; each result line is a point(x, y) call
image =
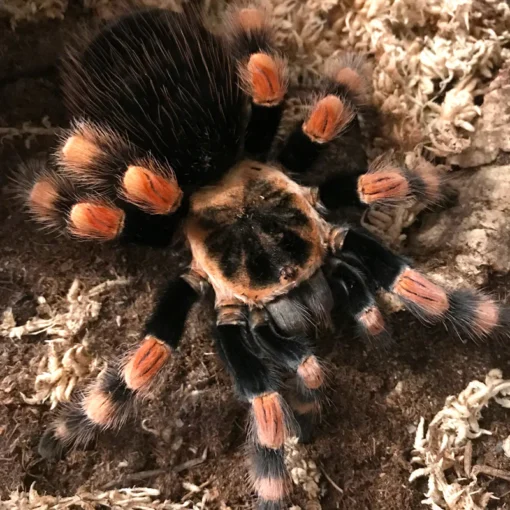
point(173, 132)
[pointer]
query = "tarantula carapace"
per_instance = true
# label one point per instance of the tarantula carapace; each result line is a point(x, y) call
point(174, 131)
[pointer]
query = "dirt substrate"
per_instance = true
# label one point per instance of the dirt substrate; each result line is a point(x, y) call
point(365, 439)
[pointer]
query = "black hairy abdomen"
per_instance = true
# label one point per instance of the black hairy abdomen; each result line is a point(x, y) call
point(167, 84)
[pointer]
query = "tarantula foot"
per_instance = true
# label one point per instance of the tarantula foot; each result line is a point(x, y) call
point(151, 192)
point(372, 321)
point(95, 220)
point(311, 373)
point(387, 184)
point(420, 293)
point(386, 181)
point(329, 116)
point(251, 19)
point(351, 79)
point(146, 363)
point(78, 153)
point(266, 78)
point(50, 445)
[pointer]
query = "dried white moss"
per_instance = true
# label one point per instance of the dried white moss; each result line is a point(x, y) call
point(66, 361)
point(141, 498)
point(432, 57)
point(303, 471)
point(31, 10)
point(444, 452)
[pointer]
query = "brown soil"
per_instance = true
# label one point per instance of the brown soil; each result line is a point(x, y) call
point(365, 439)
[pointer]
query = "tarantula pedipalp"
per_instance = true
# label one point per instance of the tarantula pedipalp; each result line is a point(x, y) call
point(174, 127)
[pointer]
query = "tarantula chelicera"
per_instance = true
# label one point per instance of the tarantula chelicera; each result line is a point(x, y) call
point(174, 130)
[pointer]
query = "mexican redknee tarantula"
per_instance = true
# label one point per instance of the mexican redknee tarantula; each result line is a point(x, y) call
point(174, 130)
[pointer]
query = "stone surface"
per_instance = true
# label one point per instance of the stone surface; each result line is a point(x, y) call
point(464, 242)
point(492, 129)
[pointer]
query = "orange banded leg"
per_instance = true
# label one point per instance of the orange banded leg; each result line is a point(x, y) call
point(387, 182)
point(58, 203)
point(258, 384)
point(265, 79)
point(111, 398)
point(305, 399)
point(354, 291)
point(470, 313)
point(351, 72)
point(264, 76)
point(328, 118)
point(270, 430)
point(55, 202)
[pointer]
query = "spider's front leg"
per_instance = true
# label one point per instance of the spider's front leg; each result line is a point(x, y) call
point(264, 76)
point(340, 170)
point(110, 399)
point(103, 188)
point(470, 313)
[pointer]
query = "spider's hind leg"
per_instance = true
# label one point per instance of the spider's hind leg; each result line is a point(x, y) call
point(258, 383)
point(294, 354)
point(470, 313)
point(111, 398)
point(357, 296)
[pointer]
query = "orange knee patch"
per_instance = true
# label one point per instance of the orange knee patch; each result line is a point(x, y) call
point(251, 19)
point(78, 153)
point(61, 430)
point(311, 373)
point(372, 320)
point(96, 221)
point(145, 363)
point(382, 185)
point(266, 76)
point(414, 287)
point(269, 420)
point(329, 116)
point(431, 177)
point(42, 200)
point(99, 407)
point(151, 192)
point(486, 316)
point(271, 489)
point(302, 407)
point(351, 79)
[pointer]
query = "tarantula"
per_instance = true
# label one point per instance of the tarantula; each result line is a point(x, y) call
point(174, 131)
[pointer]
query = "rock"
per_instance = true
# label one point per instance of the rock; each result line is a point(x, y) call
point(492, 133)
point(474, 235)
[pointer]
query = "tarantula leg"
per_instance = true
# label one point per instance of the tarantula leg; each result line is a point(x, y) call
point(470, 313)
point(263, 73)
point(329, 117)
point(100, 158)
point(350, 284)
point(96, 220)
point(61, 204)
point(387, 182)
point(306, 396)
point(293, 353)
point(265, 79)
point(52, 200)
point(110, 399)
point(270, 420)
